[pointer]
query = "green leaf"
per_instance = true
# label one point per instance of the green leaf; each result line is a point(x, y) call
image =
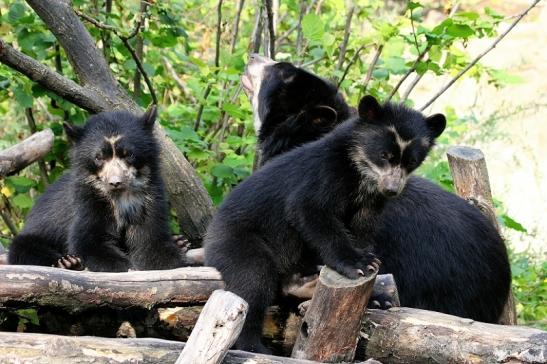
point(313, 27)
point(414, 5)
point(16, 11)
point(508, 222)
point(234, 111)
point(22, 97)
point(222, 171)
point(460, 30)
point(396, 64)
point(22, 201)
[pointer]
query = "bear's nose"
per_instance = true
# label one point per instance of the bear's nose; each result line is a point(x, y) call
point(115, 181)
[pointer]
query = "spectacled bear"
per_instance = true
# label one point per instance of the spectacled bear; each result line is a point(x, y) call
point(109, 211)
point(444, 254)
point(297, 208)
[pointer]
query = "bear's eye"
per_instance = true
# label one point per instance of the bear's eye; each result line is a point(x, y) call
point(122, 152)
point(386, 156)
point(98, 158)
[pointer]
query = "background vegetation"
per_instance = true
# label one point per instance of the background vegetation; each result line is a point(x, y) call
point(194, 51)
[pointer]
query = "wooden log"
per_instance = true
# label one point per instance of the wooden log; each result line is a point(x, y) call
point(470, 175)
point(52, 349)
point(28, 151)
point(407, 335)
point(216, 330)
point(76, 291)
point(330, 328)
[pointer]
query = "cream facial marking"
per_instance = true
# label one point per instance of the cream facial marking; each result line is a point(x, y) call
point(400, 141)
point(115, 172)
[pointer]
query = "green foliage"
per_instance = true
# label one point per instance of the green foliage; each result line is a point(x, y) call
point(530, 289)
point(179, 52)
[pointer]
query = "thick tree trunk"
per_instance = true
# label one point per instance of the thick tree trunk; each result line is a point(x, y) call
point(51, 349)
point(468, 168)
point(330, 328)
point(406, 335)
point(98, 92)
point(28, 151)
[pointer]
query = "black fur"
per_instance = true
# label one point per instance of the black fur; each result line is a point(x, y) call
point(295, 211)
point(444, 254)
point(109, 229)
point(298, 107)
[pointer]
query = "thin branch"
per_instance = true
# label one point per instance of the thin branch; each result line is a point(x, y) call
point(125, 41)
point(106, 35)
point(141, 70)
point(8, 221)
point(41, 164)
point(409, 72)
point(312, 62)
point(50, 79)
point(59, 68)
point(414, 33)
point(236, 25)
point(410, 87)
point(372, 66)
point(474, 61)
point(256, 36)
point(271, 28)
point(351, 62)
point(217, 65)
point(299, 35)
point(343, 46)
point(182, 85)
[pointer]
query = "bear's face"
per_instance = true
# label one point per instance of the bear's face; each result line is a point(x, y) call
point(281, 92)
point(113, 152)
point(391, 142)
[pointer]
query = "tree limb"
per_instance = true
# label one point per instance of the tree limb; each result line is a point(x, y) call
point(41, 164)
point(271, 28)
point(28, 151)
point(50, 79)
point(86, 60)
point(353, 60)
point(236, 26)
point(372, 66)
point(343, 46)
point(482, 54)
point(409, 72)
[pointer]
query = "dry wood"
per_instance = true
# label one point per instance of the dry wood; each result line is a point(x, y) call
point(216, 330)
point(330, 328)
point(28, 151)
point(407, 335)
point(77, 291)
point(470, 175)
point(52, 349)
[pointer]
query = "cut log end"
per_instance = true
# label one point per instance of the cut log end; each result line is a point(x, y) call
point(465, 153)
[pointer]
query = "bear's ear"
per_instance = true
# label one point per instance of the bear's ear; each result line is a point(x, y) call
point(369, 109)
point(322, 115)
point(149, 117)
point(436, 124)
point(73, 132)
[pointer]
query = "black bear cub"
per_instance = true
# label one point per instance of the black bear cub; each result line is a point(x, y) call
point(109, 211)
point(295, 211)
point(444, 254)
point(299, 107)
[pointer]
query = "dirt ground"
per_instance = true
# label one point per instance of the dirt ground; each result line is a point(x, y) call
point(516, 147)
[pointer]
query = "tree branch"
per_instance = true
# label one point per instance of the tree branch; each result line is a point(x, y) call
point(236, 25)
point(86, 60)
point(372, 66)
point(409, 72)
point(410, 87)
point(343, 46)
point(353, 60)
point(271, 28)
point(217, 65)
point(483, 53)
point(48, 78)
point(41, 164)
